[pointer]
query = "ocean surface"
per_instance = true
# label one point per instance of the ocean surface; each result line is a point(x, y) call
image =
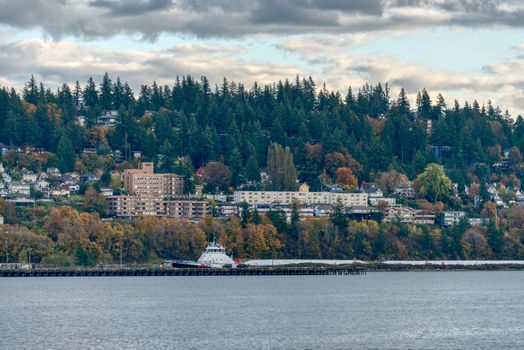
point(404, 310)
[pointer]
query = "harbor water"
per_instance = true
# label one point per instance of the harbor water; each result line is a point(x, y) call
point(396, 310)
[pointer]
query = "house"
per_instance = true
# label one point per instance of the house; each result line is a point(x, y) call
point(117, 155)
point(70, 188)
point(373, 192)
point(451, 218)
point(106, 192)
point(54, 172)
point(405, 190)
point(29, 177)
point(371, 189)
point(70, 178)
point(89, 178)
point(42, 186)
point(136, 154)
point(89, 151)
point(19, 189)
point(108, 119)
point(401, 213)
point(223, 209)
point(303, 187)
point(336, 188)
point(60, 193)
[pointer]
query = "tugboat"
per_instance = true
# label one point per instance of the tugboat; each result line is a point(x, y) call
point(213, 257)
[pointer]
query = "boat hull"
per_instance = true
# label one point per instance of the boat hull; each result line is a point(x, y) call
point(187, 264)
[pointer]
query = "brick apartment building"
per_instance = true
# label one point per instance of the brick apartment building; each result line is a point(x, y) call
point(144, 182)
point(150, 194)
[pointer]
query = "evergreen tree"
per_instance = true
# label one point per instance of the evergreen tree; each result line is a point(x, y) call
point(65, 154)
point(403, 104)
point(280, 168)
point(106, 98)
point(30, 92)
point(252, 169)
point(495, 239)
point(90, 95)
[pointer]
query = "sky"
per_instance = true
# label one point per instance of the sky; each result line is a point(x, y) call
point(464, 49)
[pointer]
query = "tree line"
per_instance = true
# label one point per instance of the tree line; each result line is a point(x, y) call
point(65, 236)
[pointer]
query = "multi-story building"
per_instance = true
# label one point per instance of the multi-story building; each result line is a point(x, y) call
point(451, 218)
point(408, 216)
point(287, 197)
point(187, 208)
point(144, 182)
point(133, 206)
point(478, 221)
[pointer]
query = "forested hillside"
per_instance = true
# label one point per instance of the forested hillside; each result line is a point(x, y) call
point(367, 130)
point(234, 132)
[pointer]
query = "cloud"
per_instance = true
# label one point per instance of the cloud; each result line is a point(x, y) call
point(341, 66)
point(132, 7)
point(56, 62)
point(236, 18)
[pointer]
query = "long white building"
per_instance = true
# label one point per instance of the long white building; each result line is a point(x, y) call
point(287, 197)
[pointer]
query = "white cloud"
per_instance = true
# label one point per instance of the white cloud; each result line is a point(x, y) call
point(341, 67)
point(55, 62)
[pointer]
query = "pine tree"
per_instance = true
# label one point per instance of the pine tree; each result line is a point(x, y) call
point(65, 154)
point(252, 169)
point(118, 94)
point(106, 98)
point(77, 96)
point(90, 94)
point(30, 92)
point(403, 104)
point(495, 239)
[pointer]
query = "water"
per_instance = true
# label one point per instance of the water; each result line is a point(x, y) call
point(426, 310)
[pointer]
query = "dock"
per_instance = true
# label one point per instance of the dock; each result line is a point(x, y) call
point(144, 271)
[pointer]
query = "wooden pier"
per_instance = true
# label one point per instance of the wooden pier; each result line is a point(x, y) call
point(125, 272)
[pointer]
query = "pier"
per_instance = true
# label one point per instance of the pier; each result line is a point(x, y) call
point(144, 271)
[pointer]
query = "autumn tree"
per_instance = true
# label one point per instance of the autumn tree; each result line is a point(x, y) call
point(388, 181)
point(344, 176)
point(433, 183)
point(94, 202)
point(217, 176)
